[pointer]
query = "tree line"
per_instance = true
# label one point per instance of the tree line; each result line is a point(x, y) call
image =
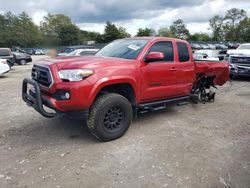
point(58, 29)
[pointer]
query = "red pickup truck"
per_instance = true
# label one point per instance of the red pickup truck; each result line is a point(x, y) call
point(125, 77)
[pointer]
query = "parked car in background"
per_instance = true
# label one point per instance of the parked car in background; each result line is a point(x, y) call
point(239, 60)
point(209, 55)
point(5, 53)
point(4, 67)
point(204, 46)
point(82, 52)
point(222, 55)
point(211, 46)
point(221, 47)
point(21, 58)
point(65, 51)
point(39, 52)
point(232, 45)
point(47, 50)
point(195, 46)
point(31, 51)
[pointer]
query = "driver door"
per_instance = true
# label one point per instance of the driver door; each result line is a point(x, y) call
point(159, 78)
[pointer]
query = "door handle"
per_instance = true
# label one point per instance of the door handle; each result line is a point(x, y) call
point(173, 69)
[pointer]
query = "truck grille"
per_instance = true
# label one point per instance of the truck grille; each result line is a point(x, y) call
point(41, 75)
point(240, 60)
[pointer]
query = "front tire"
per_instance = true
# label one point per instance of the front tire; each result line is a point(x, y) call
point(110, 117)
point(22, 62)
point(233, 76)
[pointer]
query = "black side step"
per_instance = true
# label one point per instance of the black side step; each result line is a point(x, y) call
point(156, 105)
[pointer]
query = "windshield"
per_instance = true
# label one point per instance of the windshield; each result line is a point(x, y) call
point(5, 52)
point(68, 50)
point(85, 53)
point(72, 53)
point(125, 48)
point(244, 46)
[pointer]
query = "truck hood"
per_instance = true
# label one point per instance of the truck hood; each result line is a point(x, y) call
point(78, 62)
point(240, 52)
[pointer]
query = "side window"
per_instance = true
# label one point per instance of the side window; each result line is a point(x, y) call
point(83, 53)
point(166, 48)
point(183, 52)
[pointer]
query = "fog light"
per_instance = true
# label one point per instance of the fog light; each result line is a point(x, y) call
point(67, 95)
point(62, 95)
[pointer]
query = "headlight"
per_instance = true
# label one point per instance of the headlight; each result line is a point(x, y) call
point(75, 75)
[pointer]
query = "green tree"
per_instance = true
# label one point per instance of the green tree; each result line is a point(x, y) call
point(88, 36)
point(101, 38)
point(216, 25)
point(28, 31)
point(234, 16)
point(227, 27)
point(244, 30)
point(145, 32)
point(179, 30)
point(111, 32)
point(231, 21)
point(165, 32)
point(53, 22)
point(3, 30)
point(69, 35)
point(199, 37)
point(123, 33)
point(57, 28)
point(18, 31)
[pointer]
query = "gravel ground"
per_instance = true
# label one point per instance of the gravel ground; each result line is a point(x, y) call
point(204, 145)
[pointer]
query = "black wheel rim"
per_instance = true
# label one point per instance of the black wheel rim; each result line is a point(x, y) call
point(113, 119)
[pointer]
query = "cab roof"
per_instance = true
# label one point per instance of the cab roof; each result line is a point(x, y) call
point(151, 38)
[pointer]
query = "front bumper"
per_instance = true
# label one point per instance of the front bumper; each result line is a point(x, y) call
point(34, 98)
point(240, 71)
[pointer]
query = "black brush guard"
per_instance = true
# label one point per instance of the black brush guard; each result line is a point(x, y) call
point(34, 98)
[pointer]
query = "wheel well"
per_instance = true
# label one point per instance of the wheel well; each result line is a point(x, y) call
point(204, 81)
point(123, 89)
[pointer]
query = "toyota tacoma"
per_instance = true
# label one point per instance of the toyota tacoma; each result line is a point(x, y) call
point(126, 77)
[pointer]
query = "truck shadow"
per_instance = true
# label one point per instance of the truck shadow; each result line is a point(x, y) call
point(54, 131)
point(65, 130)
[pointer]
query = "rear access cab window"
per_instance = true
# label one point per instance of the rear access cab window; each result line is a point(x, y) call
point(183, 52)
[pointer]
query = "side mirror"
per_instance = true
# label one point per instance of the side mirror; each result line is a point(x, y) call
point(154, 56)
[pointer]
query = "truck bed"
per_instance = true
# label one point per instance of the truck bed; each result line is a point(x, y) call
point(219, 69)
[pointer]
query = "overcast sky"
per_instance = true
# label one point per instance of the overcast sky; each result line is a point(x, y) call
point(132, 14)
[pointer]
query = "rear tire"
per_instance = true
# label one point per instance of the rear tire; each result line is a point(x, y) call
point(110, 117)
point(10, 65)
